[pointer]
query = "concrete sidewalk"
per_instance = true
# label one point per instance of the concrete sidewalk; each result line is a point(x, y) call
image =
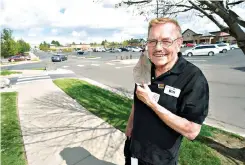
point(58, 131)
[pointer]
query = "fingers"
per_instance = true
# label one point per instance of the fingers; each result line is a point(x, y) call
point(145, 86)
point(140, 88)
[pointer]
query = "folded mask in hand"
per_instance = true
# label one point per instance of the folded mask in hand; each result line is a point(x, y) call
point(142, 70)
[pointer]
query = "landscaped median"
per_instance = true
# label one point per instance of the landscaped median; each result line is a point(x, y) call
point(212, 147)
point(8, 72)
point(12, 150)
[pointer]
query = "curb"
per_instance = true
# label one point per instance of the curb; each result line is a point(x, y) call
point(131, 61)
point(92, 58)
point(21, 63)
point(11, 75)
point(125, 94)
point(58, 71)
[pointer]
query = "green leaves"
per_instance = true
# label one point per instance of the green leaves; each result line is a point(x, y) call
point(9, 46)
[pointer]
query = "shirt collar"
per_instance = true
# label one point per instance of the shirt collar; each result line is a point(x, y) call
point(177, 68)
point(179, 65)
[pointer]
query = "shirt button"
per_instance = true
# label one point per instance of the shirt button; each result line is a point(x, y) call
point(152, 78)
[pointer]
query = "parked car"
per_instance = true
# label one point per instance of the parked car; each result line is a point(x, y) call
point(223, 47)
point(115, 50)
point(124, 49)
point(99, 50)
point(183, 45)
point(136, 49)
point(58, 58)
point(80, 52)
point(28, 57)
point(234, 46)
point(209, 50)
point(16, 58)
point(190, 45)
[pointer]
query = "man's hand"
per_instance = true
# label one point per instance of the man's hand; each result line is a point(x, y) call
point(145, 94)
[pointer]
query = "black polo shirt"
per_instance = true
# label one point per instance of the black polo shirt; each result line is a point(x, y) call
point(152, 140)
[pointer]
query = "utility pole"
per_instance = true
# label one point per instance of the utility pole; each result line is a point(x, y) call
point(157, 8)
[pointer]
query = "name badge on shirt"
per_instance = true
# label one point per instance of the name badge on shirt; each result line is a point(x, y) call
point(172, 91)
point(134, 161)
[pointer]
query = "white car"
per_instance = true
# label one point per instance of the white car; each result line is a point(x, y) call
point(115, 50)
point(223, 47)
point(209, 50)
point(99, 49)
point(135, 49)
point(234, 46)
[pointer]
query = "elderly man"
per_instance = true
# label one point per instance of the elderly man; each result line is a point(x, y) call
point(156, 126)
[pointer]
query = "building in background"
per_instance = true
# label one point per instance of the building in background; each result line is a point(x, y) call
point(223, 37)
point(189, 36)
point(72, 47)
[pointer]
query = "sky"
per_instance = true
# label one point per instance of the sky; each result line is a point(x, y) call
point(84, 21)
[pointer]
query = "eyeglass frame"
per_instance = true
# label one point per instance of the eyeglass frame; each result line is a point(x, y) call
point(172, 41)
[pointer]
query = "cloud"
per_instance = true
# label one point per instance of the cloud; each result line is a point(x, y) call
point(79, 34)
point(84, 21)
point(34, 32)
point(54, 31)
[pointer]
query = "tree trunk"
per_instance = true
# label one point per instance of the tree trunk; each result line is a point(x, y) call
point(239, 34)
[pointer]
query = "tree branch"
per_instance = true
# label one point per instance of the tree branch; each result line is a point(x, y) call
point(238, 18)
point(179, 11)
point(228, 16)
point(200, 15)
point(235, 3)
point(210, 16)
point(175, 5)
point(226, 4)
point(137, 2)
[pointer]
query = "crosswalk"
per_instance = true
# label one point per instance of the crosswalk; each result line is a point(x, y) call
point(96, 65)
point(119, 65)
point(32, 78)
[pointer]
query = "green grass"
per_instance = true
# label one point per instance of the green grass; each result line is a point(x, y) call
point(8, 72)
point(115, 110)
point(90, 57)
point(197, 153)
point(12, 151)
point(211, 131)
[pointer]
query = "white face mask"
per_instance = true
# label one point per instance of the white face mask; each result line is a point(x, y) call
point(142, 70)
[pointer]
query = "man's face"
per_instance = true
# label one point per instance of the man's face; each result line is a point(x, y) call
point(160, 54)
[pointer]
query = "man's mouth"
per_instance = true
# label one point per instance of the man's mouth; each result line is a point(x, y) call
point(159, 55)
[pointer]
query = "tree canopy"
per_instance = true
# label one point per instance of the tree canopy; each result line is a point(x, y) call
point(9, 46)
point(222, 9)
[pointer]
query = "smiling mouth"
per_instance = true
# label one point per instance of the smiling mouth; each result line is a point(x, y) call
point(159, 55)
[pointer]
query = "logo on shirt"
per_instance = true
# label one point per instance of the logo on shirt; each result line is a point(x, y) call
point(161, 86)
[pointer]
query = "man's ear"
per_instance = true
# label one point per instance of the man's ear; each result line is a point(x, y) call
point(179, 43)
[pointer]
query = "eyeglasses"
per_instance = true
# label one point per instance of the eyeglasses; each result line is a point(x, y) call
point(165, 43)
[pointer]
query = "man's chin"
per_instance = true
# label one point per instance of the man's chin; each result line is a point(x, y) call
point(160, 62)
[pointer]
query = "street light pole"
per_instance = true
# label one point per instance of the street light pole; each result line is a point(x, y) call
point(157, 8)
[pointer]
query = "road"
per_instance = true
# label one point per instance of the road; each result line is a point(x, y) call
point(225, 74)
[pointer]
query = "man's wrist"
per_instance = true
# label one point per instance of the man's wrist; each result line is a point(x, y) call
point(153, 104)
point(158, 108)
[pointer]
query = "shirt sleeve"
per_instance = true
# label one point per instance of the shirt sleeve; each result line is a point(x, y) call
point(195, 102)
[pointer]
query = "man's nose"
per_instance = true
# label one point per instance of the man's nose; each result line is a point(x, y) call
point(159, 46)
